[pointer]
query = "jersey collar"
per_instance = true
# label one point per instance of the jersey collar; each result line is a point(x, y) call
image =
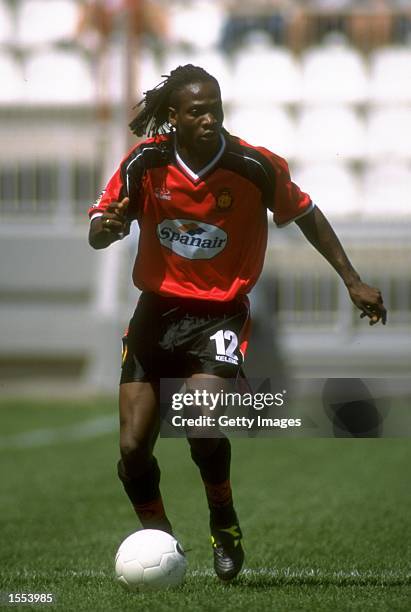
point(196, 176)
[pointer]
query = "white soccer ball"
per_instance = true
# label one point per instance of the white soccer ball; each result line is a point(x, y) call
point(150, 560)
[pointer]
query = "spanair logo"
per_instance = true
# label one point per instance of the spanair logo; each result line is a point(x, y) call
point(191, 239)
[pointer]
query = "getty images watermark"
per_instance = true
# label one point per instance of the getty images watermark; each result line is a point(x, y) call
point(209, 402)
point(209, 412)
point(333, 407)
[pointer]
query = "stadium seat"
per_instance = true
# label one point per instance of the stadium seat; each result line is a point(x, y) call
point(109, 74)
point(58, 77)
point(389, 134)
point(332, 186)
point(330, 134)
point(197, 23)
point(266, 73)
point(386, 189)
point(6, 24)
point(42, 22)
point(390, 82)
point(12, 84)
point(334, 74)
point(270, 127)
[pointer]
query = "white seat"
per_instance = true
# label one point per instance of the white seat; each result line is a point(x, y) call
point(330, 134)
point(271, 128)
point(11, 78)
point(6, 24)
point(263, 73)
point(332, 186)
point(389, 134)
point(46, 21)
point(390, 80)
point(59, 77)
point(197, 23)
point(387, 189)
point(334, 74)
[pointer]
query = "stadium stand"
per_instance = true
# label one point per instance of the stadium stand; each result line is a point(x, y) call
point(389, 134)
point(331, 133)
point(6, 24)
point(183, 15)
point(334, 73)
point(337, 191)
point(57, 76)
point(271, 71)
point(388, 84)
point(147, 70)
point(244, 18)
point(43, 22)
point(251, 124)
point(11, 74)
point(387, 188)
point(45, 284)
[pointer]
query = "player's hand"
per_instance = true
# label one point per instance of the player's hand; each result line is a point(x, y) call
point(114, 217)
point(369, 301)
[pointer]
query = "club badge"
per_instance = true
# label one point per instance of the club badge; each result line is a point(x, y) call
point(224, 199)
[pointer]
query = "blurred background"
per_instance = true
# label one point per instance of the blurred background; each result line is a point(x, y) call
point(324, 83)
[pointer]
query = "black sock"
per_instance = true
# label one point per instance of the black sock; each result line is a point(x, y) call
point(214, 466)
point(144, 494)
point(215, 473)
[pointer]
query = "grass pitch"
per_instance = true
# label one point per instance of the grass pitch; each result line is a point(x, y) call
point(326, 521)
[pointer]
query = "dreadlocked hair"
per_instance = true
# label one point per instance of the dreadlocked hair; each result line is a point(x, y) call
point(153, 118)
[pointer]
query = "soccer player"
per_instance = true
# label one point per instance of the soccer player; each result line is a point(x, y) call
point(200, 197)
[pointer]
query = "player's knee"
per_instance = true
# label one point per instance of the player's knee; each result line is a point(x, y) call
point(135, 455)
point(202, 447)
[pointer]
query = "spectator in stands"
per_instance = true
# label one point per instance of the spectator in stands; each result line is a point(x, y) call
point(367, 23)
point(371, 24)
point(98, 18)
point(269, 16)
point(324, 17)
point(401, 21)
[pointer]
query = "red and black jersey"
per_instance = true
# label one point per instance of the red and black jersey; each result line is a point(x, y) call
point(203, 235)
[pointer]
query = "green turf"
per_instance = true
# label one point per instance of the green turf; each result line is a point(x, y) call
point(326, 522)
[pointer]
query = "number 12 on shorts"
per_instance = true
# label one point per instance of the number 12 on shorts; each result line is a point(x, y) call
point(225, 352)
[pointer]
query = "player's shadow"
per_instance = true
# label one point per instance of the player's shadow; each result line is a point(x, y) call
point(353, 411)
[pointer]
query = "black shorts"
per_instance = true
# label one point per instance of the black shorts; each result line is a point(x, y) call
point(178, 337)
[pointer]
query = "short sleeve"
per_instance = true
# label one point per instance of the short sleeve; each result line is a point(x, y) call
point(126, 181)
point(289, 203)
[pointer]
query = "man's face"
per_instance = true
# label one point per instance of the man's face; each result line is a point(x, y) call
point(197, 115)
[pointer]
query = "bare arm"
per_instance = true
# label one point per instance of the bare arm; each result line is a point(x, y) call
point(110, 227)
point(321, 235)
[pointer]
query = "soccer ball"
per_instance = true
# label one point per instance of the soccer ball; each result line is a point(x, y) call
point(150, 560)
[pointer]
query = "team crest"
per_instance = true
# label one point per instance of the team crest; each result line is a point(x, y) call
point(224, 199)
